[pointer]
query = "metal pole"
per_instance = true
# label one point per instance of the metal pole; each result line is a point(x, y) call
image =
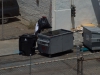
point(72, 17)
point(55, 12)
point(2, 19)
point(72, 2)
point(78, 60)
point(81, 65)
point(50, 12)
point(78, 66)
point(82, 62)
point(30, 64)
point(73, 22)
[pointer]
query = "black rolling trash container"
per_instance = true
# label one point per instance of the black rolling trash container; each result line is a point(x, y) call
point(27, 43)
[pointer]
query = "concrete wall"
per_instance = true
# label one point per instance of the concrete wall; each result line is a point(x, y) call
point(61, 14)
point(31, 11)
point(87, 11)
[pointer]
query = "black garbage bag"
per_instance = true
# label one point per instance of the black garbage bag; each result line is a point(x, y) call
point(43, 23)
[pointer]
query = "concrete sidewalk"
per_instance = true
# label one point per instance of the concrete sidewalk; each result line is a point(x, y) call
point(8, 47)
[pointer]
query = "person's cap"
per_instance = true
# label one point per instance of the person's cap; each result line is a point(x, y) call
point(43, 16)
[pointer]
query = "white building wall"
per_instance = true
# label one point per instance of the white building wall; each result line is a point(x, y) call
point(87, 11)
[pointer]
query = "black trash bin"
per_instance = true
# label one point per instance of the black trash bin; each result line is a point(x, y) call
point(27, 43)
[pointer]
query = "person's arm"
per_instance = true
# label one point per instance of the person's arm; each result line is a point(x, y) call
point(36, 28)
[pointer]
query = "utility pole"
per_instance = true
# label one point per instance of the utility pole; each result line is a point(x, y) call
point(80, 60)
point(72, 17)
point(2, 18)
